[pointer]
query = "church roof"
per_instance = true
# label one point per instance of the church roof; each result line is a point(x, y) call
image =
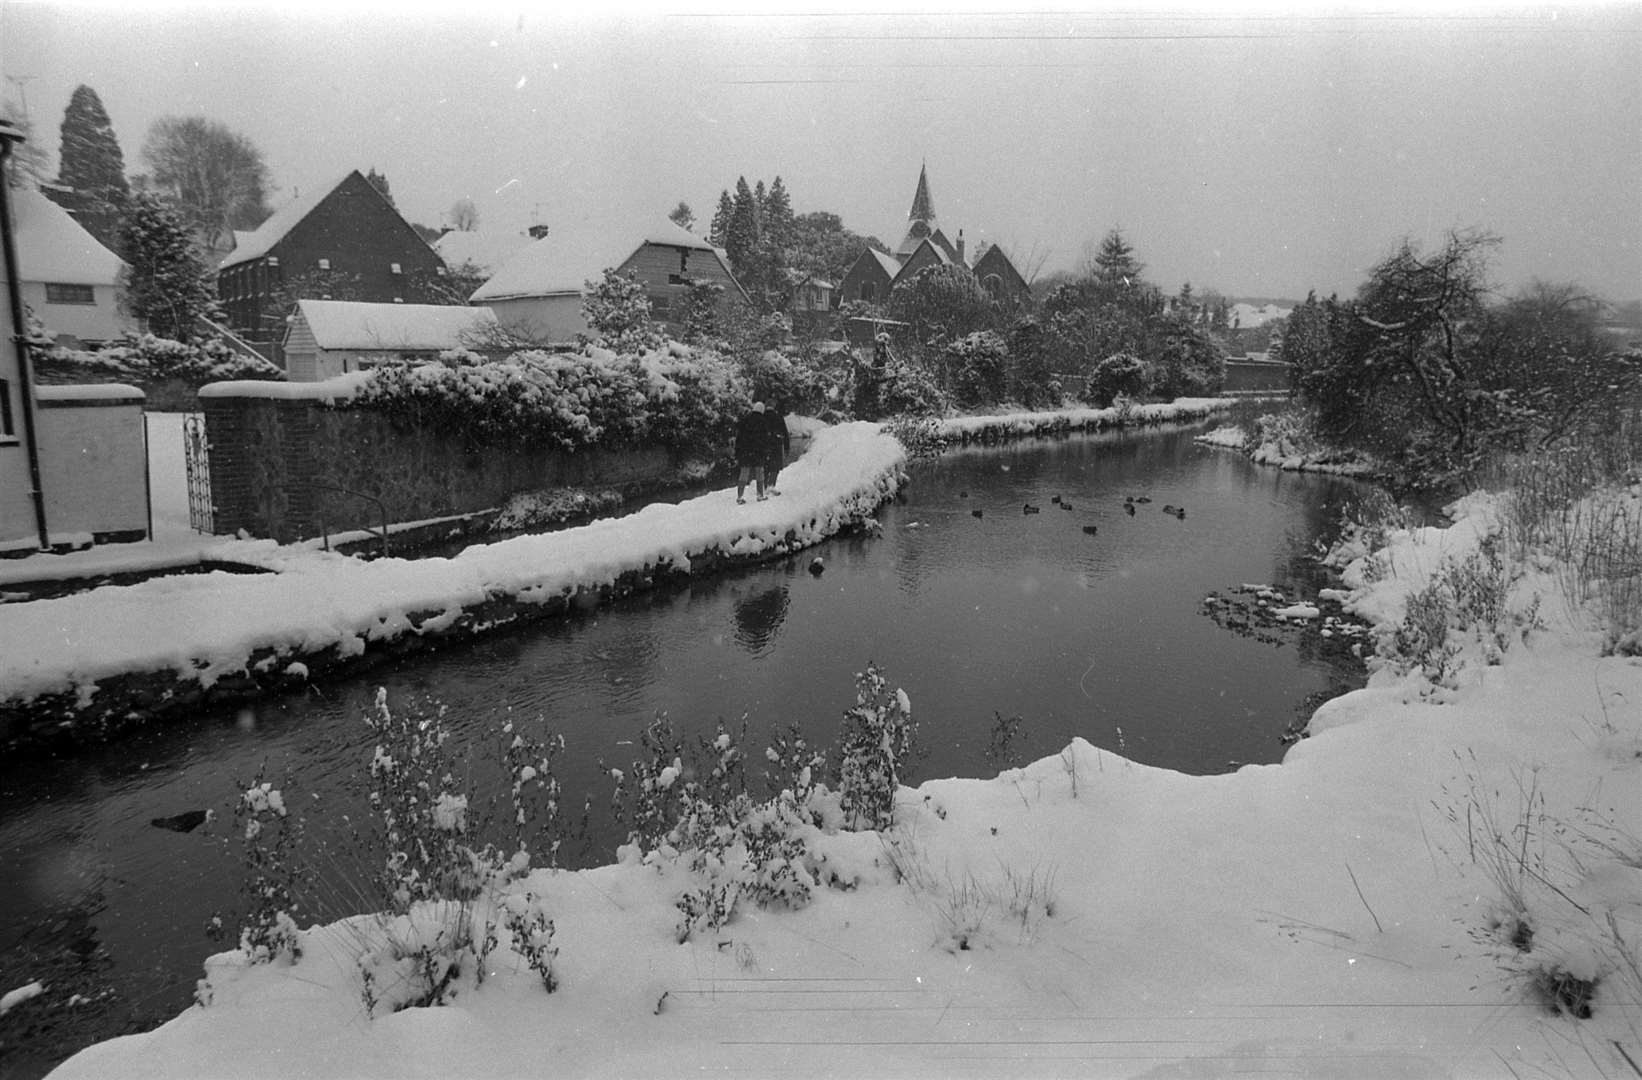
point(923, 205)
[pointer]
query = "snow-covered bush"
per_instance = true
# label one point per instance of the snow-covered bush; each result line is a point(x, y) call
point(275, 877)
point(877, 746)
point(147, 359)
point(672, 396)
point(1121, 374)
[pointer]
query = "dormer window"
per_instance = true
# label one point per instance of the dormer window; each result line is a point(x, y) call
point(324, 264)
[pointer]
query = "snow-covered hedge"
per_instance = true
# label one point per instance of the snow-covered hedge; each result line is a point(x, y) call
point(149, 359)
point(676, 396)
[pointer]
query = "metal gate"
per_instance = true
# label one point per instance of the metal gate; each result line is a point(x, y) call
point(197, 458)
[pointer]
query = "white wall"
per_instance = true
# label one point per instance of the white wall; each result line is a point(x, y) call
point(542, 318)
point(100, 321)
point(93, 459)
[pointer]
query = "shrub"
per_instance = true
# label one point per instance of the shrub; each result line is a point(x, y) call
point(1121, 374)
point(148, 359)
point(879, 734)
point(676, 397)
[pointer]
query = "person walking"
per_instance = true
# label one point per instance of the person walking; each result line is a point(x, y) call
point(752, 439)
point(775, 453)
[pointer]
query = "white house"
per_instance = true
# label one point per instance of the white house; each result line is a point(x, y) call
point(69, 280)
point(537, 294)
point(327, 338)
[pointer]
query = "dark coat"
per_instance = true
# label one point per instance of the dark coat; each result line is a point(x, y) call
point(752, 439)
point(779, 441)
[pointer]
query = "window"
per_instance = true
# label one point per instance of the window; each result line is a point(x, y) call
point(395, 268)
point(324, 264)
point(69, 294)
point(677, 279)
point(867, 291)
point(273, 260)
point(438, 271)
point(5, 409)
point(683, 260)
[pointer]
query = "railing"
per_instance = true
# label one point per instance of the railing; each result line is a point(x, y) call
point(381, 509)
point(196, 450)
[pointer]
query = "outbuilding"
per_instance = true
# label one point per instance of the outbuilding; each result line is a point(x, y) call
point(327, 338)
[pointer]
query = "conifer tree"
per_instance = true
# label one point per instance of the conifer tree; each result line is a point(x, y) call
point(718, 232)
point(778, 217)
point(166, 283)
point(380, 183)
point(91, 168)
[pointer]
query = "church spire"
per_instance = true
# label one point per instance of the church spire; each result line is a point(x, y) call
point(923, 207)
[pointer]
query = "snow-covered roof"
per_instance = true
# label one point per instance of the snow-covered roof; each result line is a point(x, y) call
point(486, 251)
point(348, 324)
point(52, 246)
point(258, 242)
point(579, 250)
point(1248, 315)
point(891, 265)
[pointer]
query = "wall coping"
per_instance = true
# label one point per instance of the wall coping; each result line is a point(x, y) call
point(340, 388)
point(69, 395)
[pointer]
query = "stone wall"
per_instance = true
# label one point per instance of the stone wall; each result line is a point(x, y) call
point(287, 465)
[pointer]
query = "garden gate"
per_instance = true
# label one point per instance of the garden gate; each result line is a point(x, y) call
point(197, 459)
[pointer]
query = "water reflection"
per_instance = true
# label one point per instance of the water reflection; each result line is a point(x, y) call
point(758, 618)
point(980, 620)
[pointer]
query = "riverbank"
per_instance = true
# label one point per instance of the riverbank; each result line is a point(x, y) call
point(84, 666)
point(1357, 911)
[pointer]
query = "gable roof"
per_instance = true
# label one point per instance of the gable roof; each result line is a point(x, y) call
point(578, 251)
point(889, 263)
point(348, 324)
point(52, 246)
point(486, 251)
point(261, 240)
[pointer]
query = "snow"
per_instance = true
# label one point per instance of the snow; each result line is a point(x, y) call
point(339, 388)
point(261, 240)
point(578, 250)
point(89, 392)
point(1246, 316)
point(51, 245)
point(13, 998)
point(346, 324)
point(1084, 915)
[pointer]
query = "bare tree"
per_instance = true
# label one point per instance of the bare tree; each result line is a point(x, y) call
point(464, 216)
point(1029, 260)
point(216, 176)
point(29, 163)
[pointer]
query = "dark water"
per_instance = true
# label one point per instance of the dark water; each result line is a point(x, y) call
point(1011, 613)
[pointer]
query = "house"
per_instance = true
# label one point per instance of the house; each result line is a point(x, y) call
point(874, 273)
point(537, 294)
point(344, 241)
point(483, 253)
point(73, 468)
point(68, 280)
point(810, 293)
point(327, 338)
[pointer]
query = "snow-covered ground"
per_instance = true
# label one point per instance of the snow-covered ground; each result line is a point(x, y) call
point(1332, 916)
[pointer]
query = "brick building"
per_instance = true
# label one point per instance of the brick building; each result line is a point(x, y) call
point(342, 242)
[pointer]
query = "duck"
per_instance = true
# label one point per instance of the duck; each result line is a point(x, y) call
point(963, 494)
point(974, 513)
point(1143, 498)
point(1129, 507)
point(817, 567)
point(1168, 508)
point(1054, 498)
point(1091, 529)
point(1030, 509)
point(1176, 512)
point(1064, 505)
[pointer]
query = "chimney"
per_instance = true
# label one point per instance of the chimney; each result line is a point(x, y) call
point(961, 247)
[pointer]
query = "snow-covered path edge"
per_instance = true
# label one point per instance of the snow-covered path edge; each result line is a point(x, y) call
point(86, 660)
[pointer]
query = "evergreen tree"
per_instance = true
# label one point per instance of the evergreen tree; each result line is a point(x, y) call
point(91, 167)
point(380, 183)
point(167, 285)
point(1115, 263)
point(778, 217)
point(718, 233)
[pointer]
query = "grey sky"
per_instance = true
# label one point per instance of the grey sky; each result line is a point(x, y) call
point(1259, 152)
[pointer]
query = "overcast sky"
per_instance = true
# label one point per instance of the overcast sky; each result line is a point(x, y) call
point(1261, 152)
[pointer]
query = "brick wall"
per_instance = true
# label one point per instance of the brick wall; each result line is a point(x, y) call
point(292, 468)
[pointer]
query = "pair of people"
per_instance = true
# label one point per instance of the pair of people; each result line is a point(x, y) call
point(761, 445)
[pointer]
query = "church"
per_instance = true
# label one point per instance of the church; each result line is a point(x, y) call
point(874, 274)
